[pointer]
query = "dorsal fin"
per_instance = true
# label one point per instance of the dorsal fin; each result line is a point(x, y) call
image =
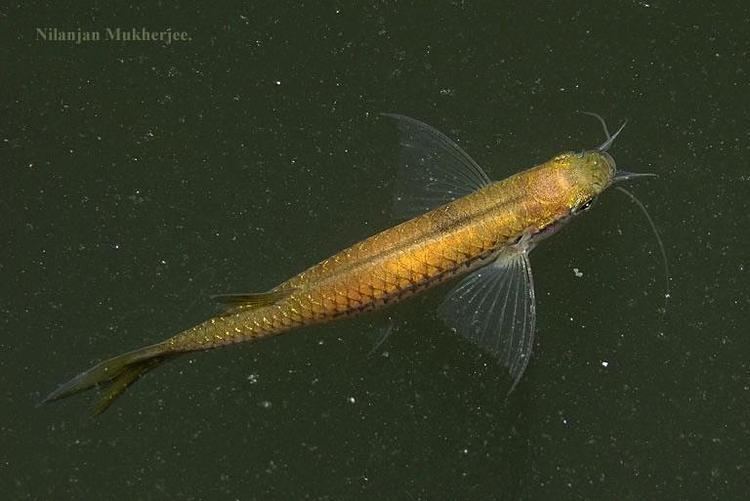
point(235, 302)
point(433, 169)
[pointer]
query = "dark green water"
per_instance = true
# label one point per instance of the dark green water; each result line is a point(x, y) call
point(138, 178)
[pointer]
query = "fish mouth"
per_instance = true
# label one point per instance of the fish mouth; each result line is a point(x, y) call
point(602, 149)
point(622, 175)
point(610, 159)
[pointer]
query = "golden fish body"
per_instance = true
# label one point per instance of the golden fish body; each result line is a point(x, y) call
point(493, 227)
point(451, 240)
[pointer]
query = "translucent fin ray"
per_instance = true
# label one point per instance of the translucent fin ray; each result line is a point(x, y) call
point(117, 387)
point(115, 375)
point(495, 307)
point(433, 169)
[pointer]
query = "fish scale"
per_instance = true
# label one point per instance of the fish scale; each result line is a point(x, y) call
point(366, 276)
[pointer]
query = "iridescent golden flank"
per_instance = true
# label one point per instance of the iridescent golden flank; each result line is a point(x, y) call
point(453, 239)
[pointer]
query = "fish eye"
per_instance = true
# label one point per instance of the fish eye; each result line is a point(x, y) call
point(585, 206)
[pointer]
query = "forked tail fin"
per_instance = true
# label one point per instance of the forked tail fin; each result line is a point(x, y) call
point(117, 374)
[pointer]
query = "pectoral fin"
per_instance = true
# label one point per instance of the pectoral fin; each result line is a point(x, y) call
point(433, 171)
point(236, 302)
point(495, 308)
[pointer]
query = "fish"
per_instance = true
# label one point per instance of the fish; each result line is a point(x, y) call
point(459, 224)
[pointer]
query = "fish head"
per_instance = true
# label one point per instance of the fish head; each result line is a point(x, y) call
point(582, 176)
